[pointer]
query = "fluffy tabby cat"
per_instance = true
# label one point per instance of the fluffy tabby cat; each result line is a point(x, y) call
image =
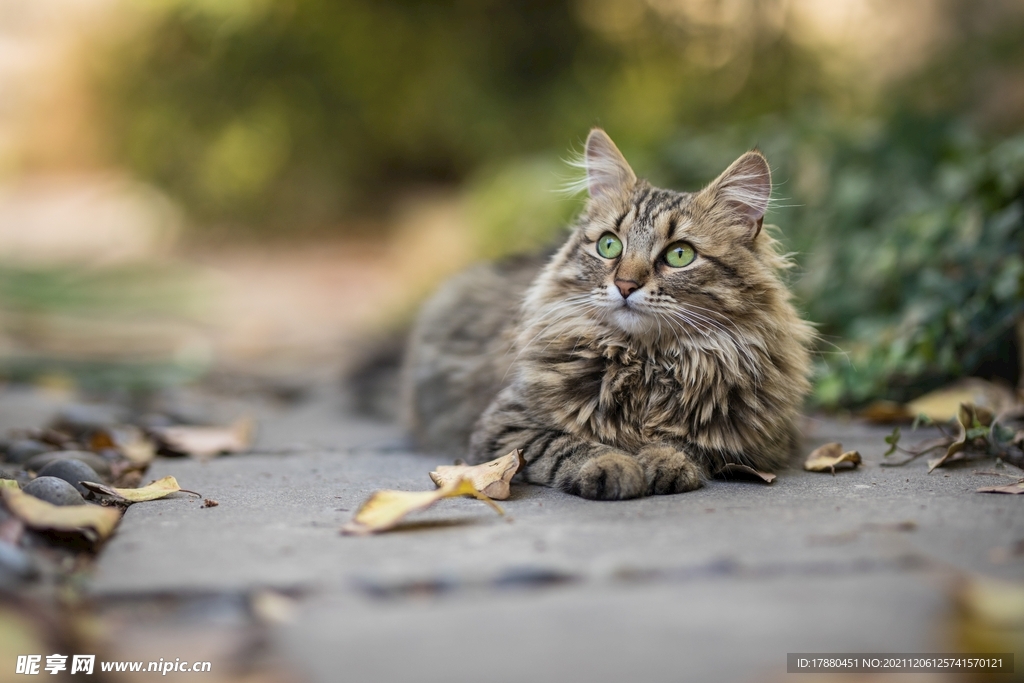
point(655, 346)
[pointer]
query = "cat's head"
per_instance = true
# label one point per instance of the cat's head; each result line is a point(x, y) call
point(648, 261)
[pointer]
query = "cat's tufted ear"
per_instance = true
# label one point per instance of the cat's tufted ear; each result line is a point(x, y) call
point(608, 174)
point(744, 190)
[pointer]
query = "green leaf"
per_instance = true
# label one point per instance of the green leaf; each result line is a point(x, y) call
point(892, 440)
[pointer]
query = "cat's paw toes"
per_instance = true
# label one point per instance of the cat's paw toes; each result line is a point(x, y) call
point(667, 470)
point(612, 476)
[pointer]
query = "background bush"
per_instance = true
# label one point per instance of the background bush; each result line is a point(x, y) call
point(902, 201)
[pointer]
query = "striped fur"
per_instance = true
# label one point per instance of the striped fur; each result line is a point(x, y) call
point(616, 397)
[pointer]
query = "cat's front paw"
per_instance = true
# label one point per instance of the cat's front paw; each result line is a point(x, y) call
point(612, 476)
point(667, 470)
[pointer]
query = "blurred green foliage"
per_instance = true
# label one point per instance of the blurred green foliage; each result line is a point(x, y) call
point(903, 205)
point(293, 113)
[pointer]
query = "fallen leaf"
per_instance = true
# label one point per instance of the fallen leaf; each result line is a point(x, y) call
point(206, 442)
point(942, 405)
point(9, 484)
point(93, 521)
point(490, 478)
point(886, 412)
point(384, 509)
point(989, 614)
point(153, 491)
point(972, 421)
point(893, 440)
point(732, 469)
point(129, 440)
point(825, 458)
point(1015, 488)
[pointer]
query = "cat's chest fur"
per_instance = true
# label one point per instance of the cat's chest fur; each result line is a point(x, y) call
point(628, 397)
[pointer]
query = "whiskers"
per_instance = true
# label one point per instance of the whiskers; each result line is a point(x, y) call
point(716, 333)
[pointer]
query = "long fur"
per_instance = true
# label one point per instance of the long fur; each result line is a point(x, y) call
point(611, 396)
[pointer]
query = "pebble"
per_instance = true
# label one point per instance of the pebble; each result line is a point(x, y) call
point(22, 450)
point(72, 471)
point(96, 462)
point(84, 418)
point(53, 490)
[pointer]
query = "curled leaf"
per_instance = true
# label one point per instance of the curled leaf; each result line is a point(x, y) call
point(92, 521)
point(157, 489)
point(385, 509)
point(973, 422)
point(825, 458)
point(490, 478)
point(733, 469)
point(204, 443)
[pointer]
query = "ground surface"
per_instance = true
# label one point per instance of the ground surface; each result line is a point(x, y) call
point(713, 585)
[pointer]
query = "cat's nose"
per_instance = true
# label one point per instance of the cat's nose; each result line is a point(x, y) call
point(627, 287)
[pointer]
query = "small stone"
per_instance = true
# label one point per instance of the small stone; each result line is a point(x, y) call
point(83, 418)
point(72, 471)
point(54, 491)
point(96, 462)
point(21, 450)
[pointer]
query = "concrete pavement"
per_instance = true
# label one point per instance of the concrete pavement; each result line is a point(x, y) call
point(717, 584)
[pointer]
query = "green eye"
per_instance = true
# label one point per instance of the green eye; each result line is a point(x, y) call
point(609, 245)
point(680, 254)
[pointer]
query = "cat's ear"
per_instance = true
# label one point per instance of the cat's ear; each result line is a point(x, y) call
point(744, 190)
point(608, 174)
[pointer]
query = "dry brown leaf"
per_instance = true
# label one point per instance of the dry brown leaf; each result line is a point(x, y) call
point(942, 405)
point(886, 412)
point(825, 458)
point(1016, 488)
point(490, 478)
point(207, 442)
point(967, 416)
point(129, 440)
point(153, 491)
point(384, 509)
point(93, 521)
point(732, 469)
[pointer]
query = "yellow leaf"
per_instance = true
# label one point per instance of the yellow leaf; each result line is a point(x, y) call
point(825, 458)
point(490, 478)
point(9, 484)
point(384, 509)
point(943, 404)
point(153, 491)
point(967, 414)
point(732, 470)
point(91, 520)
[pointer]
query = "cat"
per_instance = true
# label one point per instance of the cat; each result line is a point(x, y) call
point(655, 346)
